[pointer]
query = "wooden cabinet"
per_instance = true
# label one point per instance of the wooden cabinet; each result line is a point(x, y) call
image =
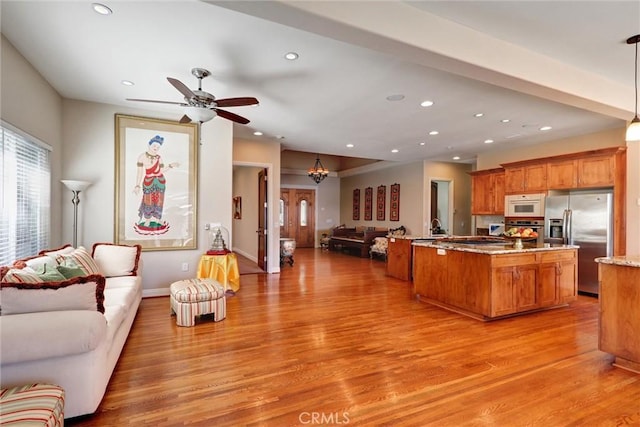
point(487, 192)
point(562, 175)
point(597, 171)
point(489, 286)
point(526, 179)
point(399, 258)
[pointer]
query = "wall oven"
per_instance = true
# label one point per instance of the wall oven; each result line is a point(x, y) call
point(524, 205)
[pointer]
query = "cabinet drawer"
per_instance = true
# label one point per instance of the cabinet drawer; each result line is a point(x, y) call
point(516, 259)
point(555, 256)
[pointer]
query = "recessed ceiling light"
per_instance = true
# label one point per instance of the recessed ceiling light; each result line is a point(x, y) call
point(478, 115)
point(505, 121)
point(545, 128)
point(349, 145)
point(257, 133)
point(434, 132)
point(422, 143)
point(101, 9)
point(456, 157)
point(395, 150)
point(279, 137)
point(127, 82)
point(426, 103)
point(488, 141)
point(291, 56)
point(396, 97)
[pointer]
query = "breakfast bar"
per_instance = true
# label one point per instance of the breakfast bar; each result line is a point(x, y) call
point(491, 279)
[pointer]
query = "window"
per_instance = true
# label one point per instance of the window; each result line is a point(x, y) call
point(24, 193)
point(303, 213)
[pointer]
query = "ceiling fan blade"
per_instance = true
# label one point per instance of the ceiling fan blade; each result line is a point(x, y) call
point(236, 102)
point(157, 102)
point(231, 116)
point(182, 88)
point(185, 119)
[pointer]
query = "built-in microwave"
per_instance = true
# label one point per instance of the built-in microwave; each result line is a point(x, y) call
point(524, 205)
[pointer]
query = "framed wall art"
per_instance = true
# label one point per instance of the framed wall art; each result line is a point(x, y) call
point(381, 202)
point(368, 204)
point(356, 204)
point(156, 193)
point(394, 203)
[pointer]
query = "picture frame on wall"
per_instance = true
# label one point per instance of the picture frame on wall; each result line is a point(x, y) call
point(356, 204)
point(381, 202)
point(394, 203)
point(237, 207)
point(368, 204)
point(155, 183)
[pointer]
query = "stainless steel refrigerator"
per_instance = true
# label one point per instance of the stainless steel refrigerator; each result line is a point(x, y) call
point(584, 219)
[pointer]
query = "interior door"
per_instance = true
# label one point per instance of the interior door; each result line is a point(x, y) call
point(297, 216)
point(262, 220)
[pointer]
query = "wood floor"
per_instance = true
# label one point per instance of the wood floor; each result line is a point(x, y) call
point(332, 341)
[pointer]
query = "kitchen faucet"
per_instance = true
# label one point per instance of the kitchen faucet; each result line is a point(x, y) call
point(436, 226)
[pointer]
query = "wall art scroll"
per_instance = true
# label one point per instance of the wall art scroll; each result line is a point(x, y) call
point(394, 205)
point(356, 204)
point(368, 204)
point(156, 186)
point(381, 202)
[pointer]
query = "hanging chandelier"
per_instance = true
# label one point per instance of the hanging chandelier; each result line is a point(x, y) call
point(633, 131)
point(318, 172)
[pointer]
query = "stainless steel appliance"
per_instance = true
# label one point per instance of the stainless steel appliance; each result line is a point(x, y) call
point(584, 219)
point(524, 205)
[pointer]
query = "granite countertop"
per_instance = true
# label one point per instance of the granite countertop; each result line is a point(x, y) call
point(497, 248)
point(625, 261)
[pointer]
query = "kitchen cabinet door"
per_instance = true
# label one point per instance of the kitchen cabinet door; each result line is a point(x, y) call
point(503, 298)
point(487, 192)
point(567, 281)
point(597, 171)
point(525, 282)
point(498, 193)
point(562, 175)
point(526, 179)
point(548, 284)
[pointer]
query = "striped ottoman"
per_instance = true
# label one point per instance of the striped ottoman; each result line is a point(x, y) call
point(32, 405)
point(193, 297)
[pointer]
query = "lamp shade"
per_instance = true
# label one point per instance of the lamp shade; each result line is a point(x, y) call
point(199, 114)
point(633, 131)
point(75, 185)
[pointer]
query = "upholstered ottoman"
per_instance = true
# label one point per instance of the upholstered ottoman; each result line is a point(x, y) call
point(194, 297)
point(32, 405)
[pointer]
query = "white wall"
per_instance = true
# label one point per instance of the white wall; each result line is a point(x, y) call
point(633, 198)
point(460, 182)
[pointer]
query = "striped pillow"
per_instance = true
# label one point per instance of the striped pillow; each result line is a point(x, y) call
point(21, 275)
point(79, 258)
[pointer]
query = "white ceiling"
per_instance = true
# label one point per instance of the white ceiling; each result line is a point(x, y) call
point(562, 63)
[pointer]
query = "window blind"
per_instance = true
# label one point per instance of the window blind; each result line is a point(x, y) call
point(25, 168)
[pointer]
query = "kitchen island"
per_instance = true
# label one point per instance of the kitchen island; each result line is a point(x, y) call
point(619, 300)
point(490, 279)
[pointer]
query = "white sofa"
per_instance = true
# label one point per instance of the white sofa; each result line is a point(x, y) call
point(57, 333)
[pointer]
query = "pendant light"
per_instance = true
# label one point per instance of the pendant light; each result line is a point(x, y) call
point(633, 131)
point(318, 172)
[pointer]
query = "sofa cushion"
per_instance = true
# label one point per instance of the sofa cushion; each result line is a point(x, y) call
point(79, 258)
point(20, 275)
point(80, 293)
point(62, 333)
point(70, 272)
point(58, 251)
point(116, 260)
point(50, 274)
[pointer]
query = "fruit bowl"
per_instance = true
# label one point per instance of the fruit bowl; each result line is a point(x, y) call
point(517, 240)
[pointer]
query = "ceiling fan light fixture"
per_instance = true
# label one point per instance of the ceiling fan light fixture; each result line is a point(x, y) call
point(633, 131)
point(318, 172)
point(199, 114)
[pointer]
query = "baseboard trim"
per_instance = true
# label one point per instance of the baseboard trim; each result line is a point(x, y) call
point(157, 292)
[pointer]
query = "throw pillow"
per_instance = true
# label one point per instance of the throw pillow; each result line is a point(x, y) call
point(117, 260)
point(79, 258)
point(50, 274)
point(21, 275)
point(70, 272)
point(80, 293)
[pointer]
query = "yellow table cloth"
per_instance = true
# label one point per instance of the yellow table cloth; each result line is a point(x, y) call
point(223, 268)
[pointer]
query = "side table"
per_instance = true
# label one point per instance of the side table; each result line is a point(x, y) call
point(223, 268)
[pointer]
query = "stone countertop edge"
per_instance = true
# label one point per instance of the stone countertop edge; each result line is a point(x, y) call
point(491, 249)
point(625, 261)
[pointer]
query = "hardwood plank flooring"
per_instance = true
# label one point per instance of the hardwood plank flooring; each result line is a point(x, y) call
point(333, 341)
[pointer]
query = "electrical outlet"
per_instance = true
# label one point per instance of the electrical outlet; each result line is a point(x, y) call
point(185, 266)
point(207, 226)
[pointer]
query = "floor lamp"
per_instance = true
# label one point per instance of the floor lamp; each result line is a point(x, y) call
point(76, 187)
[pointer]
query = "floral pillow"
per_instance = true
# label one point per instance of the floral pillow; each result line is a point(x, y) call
point(79, 258)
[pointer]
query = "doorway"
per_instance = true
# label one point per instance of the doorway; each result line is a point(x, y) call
point(441, 200)
point(297, 216)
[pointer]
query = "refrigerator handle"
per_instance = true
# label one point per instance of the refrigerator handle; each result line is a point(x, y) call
point(567, 227)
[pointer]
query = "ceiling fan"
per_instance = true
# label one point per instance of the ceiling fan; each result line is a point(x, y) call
point(201, 106)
